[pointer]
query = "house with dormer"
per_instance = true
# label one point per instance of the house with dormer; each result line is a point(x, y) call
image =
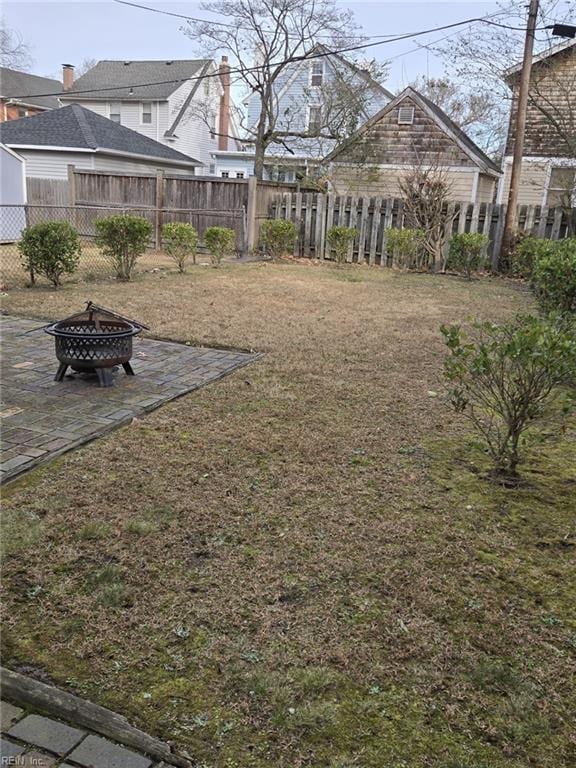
point(303, 95)
point(184, 104)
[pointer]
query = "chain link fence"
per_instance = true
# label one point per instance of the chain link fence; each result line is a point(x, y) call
point(93, 264)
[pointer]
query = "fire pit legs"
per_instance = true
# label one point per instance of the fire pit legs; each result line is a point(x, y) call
point(105, 377)
point(128, 368)
point(60, 372)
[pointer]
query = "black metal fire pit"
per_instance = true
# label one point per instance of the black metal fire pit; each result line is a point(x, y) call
point(94, 341)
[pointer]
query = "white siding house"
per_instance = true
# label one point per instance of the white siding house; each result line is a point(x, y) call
point(176, 103)
point(73, 135)
point(12, 193)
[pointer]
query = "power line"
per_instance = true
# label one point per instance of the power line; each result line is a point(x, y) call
point(292, 60)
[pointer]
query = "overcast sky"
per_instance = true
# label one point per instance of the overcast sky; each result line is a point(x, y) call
point(71, 32)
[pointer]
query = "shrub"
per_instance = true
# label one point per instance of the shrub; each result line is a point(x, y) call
point(405, 248)
point(180, 241)
point(467, 252)
point(340, 239)
point(123, 239)
point(220, 241)
point(277, 236)
point(502, 376)
point(554, 276)
point(525, 251)
point(50, 249)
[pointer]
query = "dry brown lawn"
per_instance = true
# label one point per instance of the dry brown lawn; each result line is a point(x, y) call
point(302, 564)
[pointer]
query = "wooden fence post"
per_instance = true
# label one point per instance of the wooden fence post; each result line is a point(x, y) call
point(251, 214)
point(160, 186)
point(71, 185)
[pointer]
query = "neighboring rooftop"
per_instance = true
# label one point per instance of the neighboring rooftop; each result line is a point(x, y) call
point(135, 80)
point(76, 127)
point(565, 45)
point(17, 85)
point(440, 118)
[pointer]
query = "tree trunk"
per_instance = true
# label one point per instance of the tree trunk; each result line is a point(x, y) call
point(260, 149)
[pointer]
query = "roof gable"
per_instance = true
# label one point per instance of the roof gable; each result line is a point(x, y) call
point(75, 127)
point(17, 85)
point(440, 119)
point(134, 80)
point(542, 56)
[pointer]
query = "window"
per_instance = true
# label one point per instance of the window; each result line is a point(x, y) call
point(146, 113)
point(240, 175)
point(225, 174)
point(405, 115)
point(317, 73)
point(562, 187)
point(212, 169)
point(116, 111)
point(314, 120)
point(213, 125)
point(206, 87)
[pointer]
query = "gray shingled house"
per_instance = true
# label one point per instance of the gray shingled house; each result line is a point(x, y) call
point(73, 135)
point(19, 94)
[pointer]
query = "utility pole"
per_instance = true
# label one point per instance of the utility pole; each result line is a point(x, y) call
point(511, 221)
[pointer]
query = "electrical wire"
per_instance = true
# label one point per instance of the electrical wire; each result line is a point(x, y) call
point(292, 60)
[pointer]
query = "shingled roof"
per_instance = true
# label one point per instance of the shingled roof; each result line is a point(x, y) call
point(440, 118)
point(15, 85)
point(75, 127)
point(134, 80)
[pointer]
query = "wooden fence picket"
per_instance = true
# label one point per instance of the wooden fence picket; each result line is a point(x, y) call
point(315, 213)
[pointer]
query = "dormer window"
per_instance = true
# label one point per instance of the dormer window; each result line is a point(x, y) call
point(405, 115)
point(317, 73)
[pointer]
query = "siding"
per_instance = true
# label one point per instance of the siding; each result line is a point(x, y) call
point(119, 165)
point(380, 181)
point(553, 87)
point(533, 179)
point(486, 189)
point(54, 165)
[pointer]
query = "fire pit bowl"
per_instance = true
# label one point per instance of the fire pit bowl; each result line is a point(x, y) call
point(94, 341)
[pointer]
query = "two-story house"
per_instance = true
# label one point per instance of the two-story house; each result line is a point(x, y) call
point(548, 175)
point(303, 95)
point(182, 103)
point(20, 94)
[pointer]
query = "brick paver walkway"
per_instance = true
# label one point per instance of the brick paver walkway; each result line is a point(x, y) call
point(41, 418)
point(30, 739)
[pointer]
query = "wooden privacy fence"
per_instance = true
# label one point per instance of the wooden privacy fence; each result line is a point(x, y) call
point(203, 201)
point(314, 214)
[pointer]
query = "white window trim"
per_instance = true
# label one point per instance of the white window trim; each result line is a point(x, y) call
point(312, 73)
point(309, 113)
point(146, 104)
point(559, 163)
point(110, 112)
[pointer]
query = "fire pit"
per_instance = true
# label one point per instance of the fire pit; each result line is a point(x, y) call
point(94, 341)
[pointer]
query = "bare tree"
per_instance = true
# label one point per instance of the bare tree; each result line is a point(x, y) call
point(479, 57)
point(425, 188)
point(267, 39)
point(14, 52)
point(86, 64)
point(474, 110)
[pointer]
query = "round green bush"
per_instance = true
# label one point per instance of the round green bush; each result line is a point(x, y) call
point(277, 236)
point(180, 240)
point(50, 249)
point(340, 240)
point(554, 276)
point(467, 252)
point(220, 241)
point(123, 239)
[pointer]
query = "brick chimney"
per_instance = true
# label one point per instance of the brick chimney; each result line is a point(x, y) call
point(224, 121)
point(67, 76)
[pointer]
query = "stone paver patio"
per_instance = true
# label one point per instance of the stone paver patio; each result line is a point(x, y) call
point(41, 418)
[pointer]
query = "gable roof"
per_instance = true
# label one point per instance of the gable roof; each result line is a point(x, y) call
point(124, 79)
point(542, 56)
point(14, 85)
point(441, 119)
point(75, 127)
